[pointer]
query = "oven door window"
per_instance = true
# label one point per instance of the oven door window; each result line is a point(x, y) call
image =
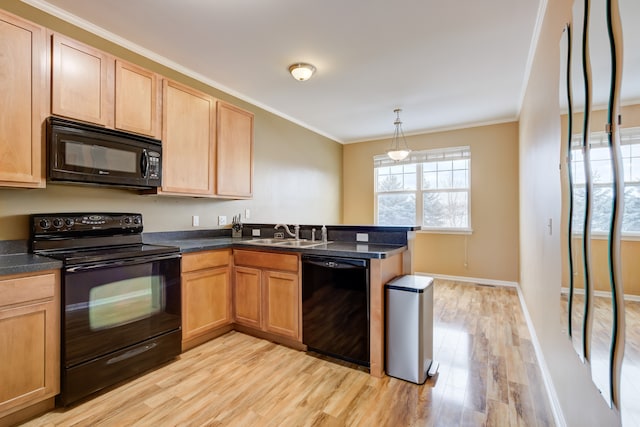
point(125, 301)
point(110, 308)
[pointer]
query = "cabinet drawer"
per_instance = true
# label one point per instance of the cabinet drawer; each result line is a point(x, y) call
point(22, 289)
point(270, 260)
point(206, 259)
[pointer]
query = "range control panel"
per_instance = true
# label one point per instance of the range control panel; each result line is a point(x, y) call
point(85, 222)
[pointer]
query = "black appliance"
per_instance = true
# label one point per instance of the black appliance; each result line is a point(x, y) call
point(121, 302)
point(88, 154)
point(335, 307)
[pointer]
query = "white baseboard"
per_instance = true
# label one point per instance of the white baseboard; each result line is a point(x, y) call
point(470, 280)
point(604, 294)
point(546, 376)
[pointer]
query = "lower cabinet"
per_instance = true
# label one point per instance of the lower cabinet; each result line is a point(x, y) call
point(206, 296)
point(29, 343)
point(267, 292)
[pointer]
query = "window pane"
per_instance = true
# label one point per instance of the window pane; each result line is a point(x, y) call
point(602, 209)
point(631, 219)
point(444, 179)
point(577, 221)
point(460, 178)
point(446, 209)
point(410, 181)
point(430, 180)
point(389, 182)
point(430, 166)
point(396, 209)
point(634, 170)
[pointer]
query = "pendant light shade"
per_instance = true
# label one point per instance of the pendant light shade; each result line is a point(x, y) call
point(399, 149)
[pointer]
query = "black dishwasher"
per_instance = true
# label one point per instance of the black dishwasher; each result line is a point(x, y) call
point(335, 307)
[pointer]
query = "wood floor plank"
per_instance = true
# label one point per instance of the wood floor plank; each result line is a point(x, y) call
point(488, 375)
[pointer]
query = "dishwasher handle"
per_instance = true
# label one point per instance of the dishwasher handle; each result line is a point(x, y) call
point(335, 263)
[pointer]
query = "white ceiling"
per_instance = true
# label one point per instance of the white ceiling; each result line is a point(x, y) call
point(445, 63)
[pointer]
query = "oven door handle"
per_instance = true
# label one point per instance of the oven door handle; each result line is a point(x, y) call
point(121, 262)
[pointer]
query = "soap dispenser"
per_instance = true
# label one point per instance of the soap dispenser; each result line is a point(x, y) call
point(323, 232)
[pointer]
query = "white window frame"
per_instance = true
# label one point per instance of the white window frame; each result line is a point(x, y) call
point(418, 158)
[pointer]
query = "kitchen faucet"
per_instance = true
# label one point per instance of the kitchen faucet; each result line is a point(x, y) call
point(296, 229)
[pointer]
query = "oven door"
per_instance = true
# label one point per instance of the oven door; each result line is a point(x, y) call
point(116, 304)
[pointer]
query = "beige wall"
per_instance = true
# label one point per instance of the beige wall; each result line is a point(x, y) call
point(297, 173)
point(491, 251)
point(540, 251)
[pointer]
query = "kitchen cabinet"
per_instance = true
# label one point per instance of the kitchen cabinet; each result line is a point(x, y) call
point(23, 67)
point(92, 86)
point(188, 141)
point(137, 100)
point(81, 82)
point(206, 296)
point(30, 341)
point(234, 166)
point(267, 292)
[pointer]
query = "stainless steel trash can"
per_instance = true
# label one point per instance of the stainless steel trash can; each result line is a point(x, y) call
point(409, 328)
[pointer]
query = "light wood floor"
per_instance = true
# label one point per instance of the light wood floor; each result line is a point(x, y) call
point(488, 376)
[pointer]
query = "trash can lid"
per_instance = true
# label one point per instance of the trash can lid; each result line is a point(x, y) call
point(410, 283)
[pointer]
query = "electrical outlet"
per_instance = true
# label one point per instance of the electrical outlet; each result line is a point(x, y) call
point(195, 220)
point(362, 237)
point(255, 232)
point(222, 220)
point(247, 213)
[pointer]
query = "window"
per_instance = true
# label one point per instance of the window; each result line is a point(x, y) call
point(601, 173)
point(430, 188)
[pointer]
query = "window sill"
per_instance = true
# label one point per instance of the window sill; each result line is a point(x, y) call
point(460, 231)
point(631, 237)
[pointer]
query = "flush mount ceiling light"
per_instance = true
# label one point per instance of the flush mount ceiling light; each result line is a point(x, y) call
point(399, 149)
point(302, 71)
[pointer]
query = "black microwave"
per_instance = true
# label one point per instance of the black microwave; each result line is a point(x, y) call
point(87, 154)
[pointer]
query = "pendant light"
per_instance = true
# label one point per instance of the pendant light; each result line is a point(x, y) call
point(399, 149)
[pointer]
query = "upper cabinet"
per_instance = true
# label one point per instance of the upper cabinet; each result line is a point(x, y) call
point(188, 140)
point(92, 86)
point(81, 82)
point(137, 100)
point(23, 85)
point(235, 152)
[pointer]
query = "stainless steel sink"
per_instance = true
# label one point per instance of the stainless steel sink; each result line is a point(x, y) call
point(264, 241)
point(285, 243)
point(302, 243)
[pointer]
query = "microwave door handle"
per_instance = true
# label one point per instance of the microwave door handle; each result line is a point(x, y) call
point(144, 163)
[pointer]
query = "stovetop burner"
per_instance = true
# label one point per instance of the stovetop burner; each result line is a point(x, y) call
point(77, 238)
point(94, 255)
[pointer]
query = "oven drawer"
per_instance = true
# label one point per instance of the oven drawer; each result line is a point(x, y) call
point(26, 288)
point(87, 378)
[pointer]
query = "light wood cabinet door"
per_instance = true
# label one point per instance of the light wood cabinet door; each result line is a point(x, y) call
point(137, 100)
point(30, 340)
point(206, 301)
point(281, 303)
point(23, 90)
point(235, 151)
point(81, 82)
point(248, 297)
point(188, 141)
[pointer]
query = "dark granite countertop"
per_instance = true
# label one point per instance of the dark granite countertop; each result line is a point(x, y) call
point(26, 263)
point(15, 257)
point(338, 249)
